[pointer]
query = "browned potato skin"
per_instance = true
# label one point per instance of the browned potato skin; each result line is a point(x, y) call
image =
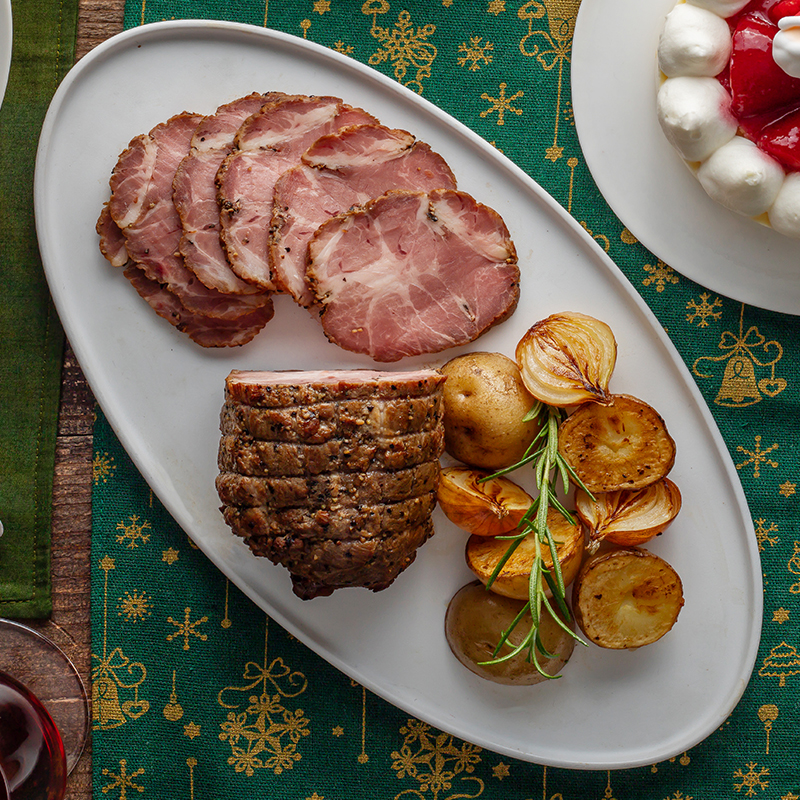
point(484, 405)
point(615, 579)
point(474, 623)
point(483, 555)
point(605, 466)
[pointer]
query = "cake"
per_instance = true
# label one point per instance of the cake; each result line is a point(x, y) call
point(729, 103)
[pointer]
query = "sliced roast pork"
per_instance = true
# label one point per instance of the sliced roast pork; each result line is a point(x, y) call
point(195, 194)
point(413, 273)
point(267, 144)
point(342, 503)
point(141, 206)
point(112, 240)
point(341, 170)
point(206, 331)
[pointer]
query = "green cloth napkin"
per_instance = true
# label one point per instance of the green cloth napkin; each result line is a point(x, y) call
point(31, 340)
point(198, 694)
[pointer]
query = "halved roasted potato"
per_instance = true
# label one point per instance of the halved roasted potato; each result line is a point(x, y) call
point(479, 504)
point(623, 444)
point(483, 555)
point(628, 517)
point(474, 624)
point(626, 598)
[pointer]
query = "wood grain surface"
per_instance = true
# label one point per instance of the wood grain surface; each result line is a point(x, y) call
point(70, 623)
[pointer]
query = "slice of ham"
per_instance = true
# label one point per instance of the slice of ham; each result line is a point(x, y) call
point(112, 240)
point(206, 331)
point(141, 206)
point(341, 170)
point(413, 273)
point(195, 194)
point(268, 143)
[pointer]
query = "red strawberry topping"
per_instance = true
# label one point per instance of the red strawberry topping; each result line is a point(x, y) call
point(781, 139)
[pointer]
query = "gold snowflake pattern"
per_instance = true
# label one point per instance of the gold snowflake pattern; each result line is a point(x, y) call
point(434, 760)
point(321, 6)
point(103, 467)
point(763, 532)
point(780, 615)
point(704, 311)
point(475, 53)
point(787, 489)
point(679, 796)
point(496, 7)
point(501, 770)
point(751, 780)
point(192, 730)
point(187, 628)
point(122, 780)
point(660, 275)
point(404, 46)
point(757, 457)
point(340, 47)
point(502, 104)
point(169, 556)
point(134, 532)
point(134, 606)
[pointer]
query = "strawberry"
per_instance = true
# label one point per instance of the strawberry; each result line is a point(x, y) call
point(786, 8)
point(758, 84)
point(781, 139)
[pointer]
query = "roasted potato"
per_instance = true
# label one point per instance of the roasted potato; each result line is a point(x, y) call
point(480, 504)
point(623, 444)
point(628, 517)
point(475, 622)
point(485, 402)
point(483, 554)
point(626, 598)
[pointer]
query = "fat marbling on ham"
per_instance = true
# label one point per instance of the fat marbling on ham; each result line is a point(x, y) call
point(267, 144)
point(413, 273)
point(195, 193)
point(141, 206)
point(341, 170)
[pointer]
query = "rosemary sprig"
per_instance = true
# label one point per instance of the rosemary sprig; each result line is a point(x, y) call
point(543, 454)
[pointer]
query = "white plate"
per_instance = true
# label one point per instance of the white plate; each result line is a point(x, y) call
point(645, 181)
point(162, 394)
point(6, 44)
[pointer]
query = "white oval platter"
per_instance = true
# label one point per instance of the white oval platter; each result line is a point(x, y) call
point(162, 394)
point(645, 181)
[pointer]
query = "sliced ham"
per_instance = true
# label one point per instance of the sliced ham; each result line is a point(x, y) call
point(112, 240)
point(268, 143)
point(195, 194)
point(206, 331)
point(341, 170)
point(141, 206)
point(413, 273)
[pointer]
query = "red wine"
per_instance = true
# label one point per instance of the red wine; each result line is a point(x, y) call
point(32, 758)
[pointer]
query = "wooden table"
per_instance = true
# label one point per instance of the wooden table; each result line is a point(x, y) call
point(70, 623)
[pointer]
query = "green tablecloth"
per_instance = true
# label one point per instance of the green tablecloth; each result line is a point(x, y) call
point(197, 694)
point(31, 340)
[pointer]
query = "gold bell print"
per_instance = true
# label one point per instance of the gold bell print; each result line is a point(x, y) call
point(739, 386)
point(106, 710)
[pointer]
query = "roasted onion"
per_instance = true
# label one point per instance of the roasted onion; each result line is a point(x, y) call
point(628, 517)
point(567, 359)
point(483, 508)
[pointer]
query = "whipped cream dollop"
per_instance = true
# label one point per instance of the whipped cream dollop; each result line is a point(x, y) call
point(694, 41)
point(741, 177)
point(786, 46)
point(695, 115)
point(784, 214)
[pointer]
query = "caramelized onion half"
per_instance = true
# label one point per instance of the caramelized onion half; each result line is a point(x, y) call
point(487, 508)
point(567, 359)
point(628, 517)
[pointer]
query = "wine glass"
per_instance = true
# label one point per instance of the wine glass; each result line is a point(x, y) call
point(44, 715)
